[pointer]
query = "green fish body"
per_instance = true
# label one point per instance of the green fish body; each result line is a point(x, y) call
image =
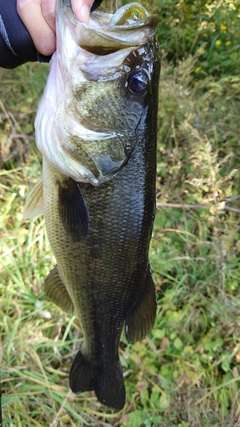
point(99, 223)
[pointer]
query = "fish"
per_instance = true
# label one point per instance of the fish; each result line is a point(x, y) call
point(96, 127)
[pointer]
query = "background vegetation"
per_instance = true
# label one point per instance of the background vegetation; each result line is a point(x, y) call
point(186, 372)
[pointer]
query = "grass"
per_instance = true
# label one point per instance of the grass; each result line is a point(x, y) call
point(186, 372)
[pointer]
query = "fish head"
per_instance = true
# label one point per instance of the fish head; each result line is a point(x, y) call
point(102, 83)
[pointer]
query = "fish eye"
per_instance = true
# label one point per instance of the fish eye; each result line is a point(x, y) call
point(137, 82)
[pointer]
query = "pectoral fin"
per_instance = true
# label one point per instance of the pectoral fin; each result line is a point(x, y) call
point(73, 210)
point(57, 292)
point(142, 317)
point(34, 203)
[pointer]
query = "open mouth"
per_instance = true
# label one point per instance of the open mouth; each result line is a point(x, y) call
point(106, 33)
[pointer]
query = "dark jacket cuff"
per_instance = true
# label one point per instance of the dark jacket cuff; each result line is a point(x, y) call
point(16, 45)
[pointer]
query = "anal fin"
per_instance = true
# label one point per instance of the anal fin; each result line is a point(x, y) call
point(142, 317)
point(56, 291)
point(34, 204)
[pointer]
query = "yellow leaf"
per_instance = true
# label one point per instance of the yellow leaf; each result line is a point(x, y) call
point(200, 50)
point(197, 69)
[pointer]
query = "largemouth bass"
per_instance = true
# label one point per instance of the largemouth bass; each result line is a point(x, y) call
point(96, 129)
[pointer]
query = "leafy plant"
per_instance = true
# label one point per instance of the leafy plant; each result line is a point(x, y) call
point(207, 28)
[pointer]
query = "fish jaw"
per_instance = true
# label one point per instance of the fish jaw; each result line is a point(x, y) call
point(65, 137)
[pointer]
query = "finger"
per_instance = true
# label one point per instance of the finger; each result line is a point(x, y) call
point(49, 13)
point(43, 36)
point(82, 8)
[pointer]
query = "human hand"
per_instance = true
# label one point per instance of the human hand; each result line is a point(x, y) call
point(39, 18)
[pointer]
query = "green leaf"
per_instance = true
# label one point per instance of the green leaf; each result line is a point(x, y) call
point(178, 344)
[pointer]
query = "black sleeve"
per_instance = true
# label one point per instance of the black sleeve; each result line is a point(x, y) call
point(16, 45)
point(96, 4)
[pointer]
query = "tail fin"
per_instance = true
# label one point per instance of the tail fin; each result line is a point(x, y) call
point(107, 381)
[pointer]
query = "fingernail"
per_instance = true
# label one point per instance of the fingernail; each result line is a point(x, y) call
point(84, 14)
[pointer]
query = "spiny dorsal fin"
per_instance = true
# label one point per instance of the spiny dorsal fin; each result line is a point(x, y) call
point(34, 204)
point(73, 210)
point(142, 317)
point(57, 292)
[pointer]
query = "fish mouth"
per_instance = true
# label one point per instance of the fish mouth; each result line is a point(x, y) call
point(106, 33)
